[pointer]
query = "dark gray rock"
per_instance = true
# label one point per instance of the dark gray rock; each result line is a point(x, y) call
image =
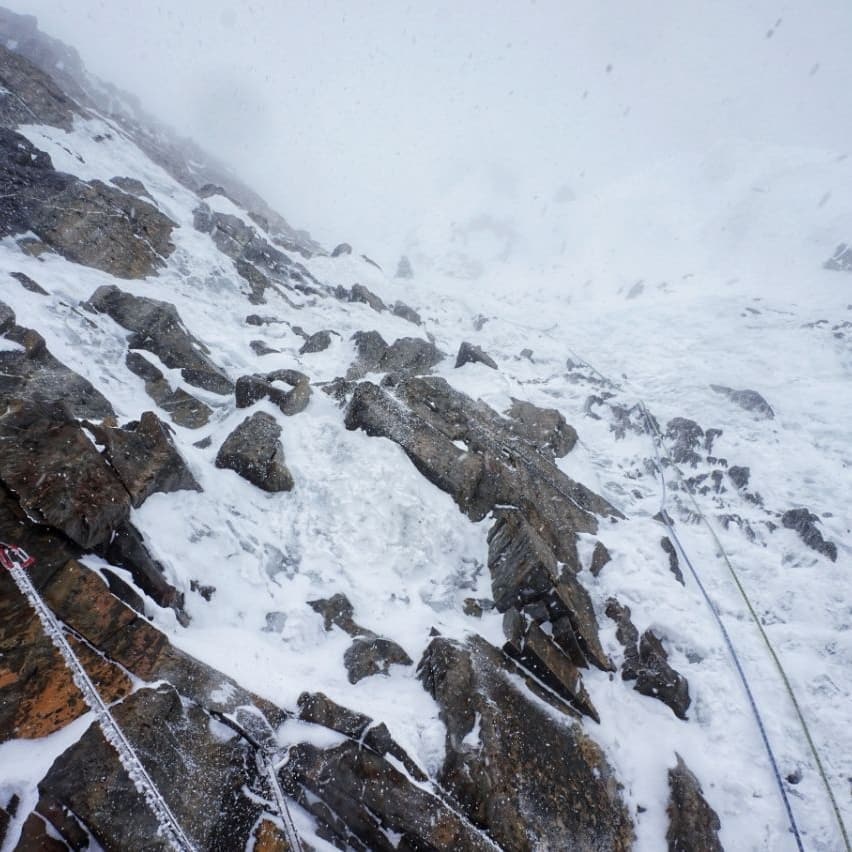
point(34, 374)
point(684, 436)
point(28, 284)
point(317, 342)
point(126, 549)
point(59, 478)
point(646, 663)
point(472, 354)
point(260, 348)
point(600, 557)
point(693, 824)
point(251, 389)
point(319, 709)
point(407, 355)
point(526, 796)
point(173, 740)
point(254, 452)
point(739, 475)
point(338, 611)
point(37, 98)
point(368, 656)
point(88, 223)
point(750, 400)
point(131, 186)
point(428, 419)
point(804, 522)
point(362, 802)
point(157, 327)
point(341, 249)
point(400, 309)
point(674, 562)
point(145, 458)
point(544, 428)
point(360, 293)
point(841, 260)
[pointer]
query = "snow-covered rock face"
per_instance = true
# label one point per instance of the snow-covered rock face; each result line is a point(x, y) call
point(462, 592)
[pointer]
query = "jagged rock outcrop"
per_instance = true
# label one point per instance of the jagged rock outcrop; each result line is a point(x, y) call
point(57, 474)
point(685, 437)
point(750, 400)
point(254, 452)
point(144, 456)
point(428, 418)
point(36, 95)
point(183, 408)
point(88, 223)
point(674, 561)
point(157, 327)
point(646, 663)
point(528, 797)
point(804, 522)
point(470, 353)
point(32, 373)
point(251, 389)
point(693, 824)
point(319, 709)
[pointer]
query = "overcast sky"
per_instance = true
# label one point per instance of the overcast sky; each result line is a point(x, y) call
point(354, 118)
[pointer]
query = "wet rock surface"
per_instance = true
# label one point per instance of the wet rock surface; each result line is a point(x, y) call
point(254, 451)
point(157, 327)
point(564, 796)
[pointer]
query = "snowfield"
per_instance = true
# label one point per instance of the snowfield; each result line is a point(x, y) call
point(702, 271)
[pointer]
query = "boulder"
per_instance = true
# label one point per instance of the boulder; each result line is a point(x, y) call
point(804, 522)
point(337, 611)
point(469, 353)
point(254, 452)
point(341, 249)
point(368, 656)
point(360, 293)
point(739, 476)
point(317, 342)
point(251, 389)
point(407, 355)
point(261, 348)
point(544, 428)
point(403, 311)
point(600, 557)
point(57, 474)
point(144, 456)
point(693, 824)
point(157, 327)
point(750, 400)
point(32, 373)
point(525, 773)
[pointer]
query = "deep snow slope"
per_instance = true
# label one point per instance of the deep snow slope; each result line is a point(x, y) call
point(698, 273)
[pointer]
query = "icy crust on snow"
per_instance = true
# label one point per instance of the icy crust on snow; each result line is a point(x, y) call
point(361, 521)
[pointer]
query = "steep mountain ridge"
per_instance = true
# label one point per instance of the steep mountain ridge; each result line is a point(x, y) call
point(435, 681)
